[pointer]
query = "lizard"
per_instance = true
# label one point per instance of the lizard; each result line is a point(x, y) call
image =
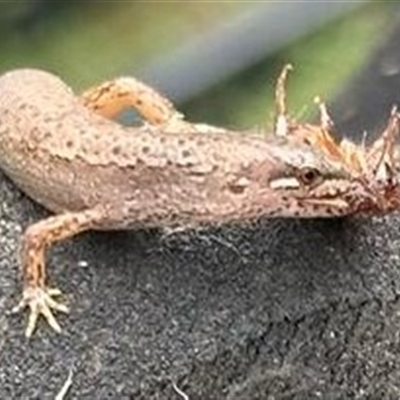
point(67, 153)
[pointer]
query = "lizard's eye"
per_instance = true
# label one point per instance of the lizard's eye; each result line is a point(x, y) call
point(305, 177)
point(309, 176)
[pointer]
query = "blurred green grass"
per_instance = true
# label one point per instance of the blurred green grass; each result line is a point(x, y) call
point(323, 62)
point(87, 42)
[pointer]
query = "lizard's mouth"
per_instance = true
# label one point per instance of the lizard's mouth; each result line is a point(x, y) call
point(341, 197)
point(371, 195)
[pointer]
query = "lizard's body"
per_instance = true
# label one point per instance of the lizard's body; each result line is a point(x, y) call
point(97, 174)
point(70, 159)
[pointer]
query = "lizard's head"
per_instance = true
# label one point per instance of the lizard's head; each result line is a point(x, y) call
point(305, 183)
point(315, 185)
point(353, 178)
point(374, 170)
point(324, 177)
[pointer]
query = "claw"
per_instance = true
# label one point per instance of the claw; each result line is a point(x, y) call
point(40, 301)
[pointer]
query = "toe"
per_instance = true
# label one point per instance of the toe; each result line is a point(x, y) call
point(33, 317)
point(40, 302)
point(55, 305)
point(46, 312)
point(53, 292)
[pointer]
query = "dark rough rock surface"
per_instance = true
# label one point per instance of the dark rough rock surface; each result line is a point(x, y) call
point(283, 310)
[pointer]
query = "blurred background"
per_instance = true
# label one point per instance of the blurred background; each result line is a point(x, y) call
point(217, 60)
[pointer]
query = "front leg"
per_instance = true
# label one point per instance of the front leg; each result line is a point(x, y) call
point(112, 97)
point(37, 238)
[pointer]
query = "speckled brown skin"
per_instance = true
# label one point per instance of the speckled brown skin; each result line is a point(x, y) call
point(96, 174)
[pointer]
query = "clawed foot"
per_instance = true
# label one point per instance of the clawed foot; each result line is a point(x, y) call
point(40, 301)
